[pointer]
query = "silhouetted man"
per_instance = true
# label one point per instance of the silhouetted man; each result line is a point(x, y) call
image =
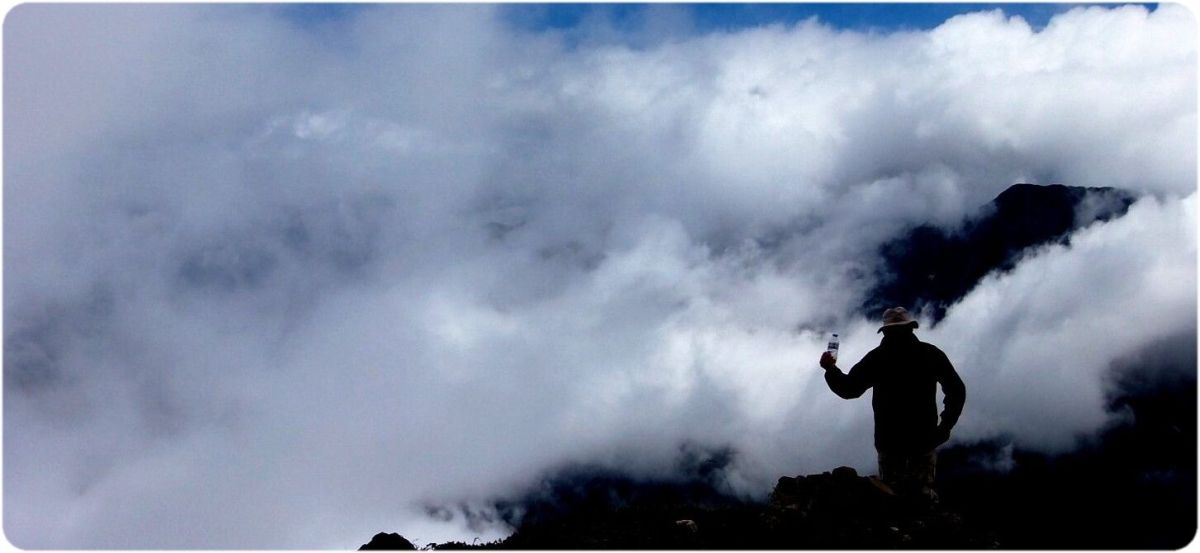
point(905, 373)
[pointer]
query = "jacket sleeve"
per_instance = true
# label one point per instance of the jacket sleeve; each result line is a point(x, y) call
point(954, 390)
point(854, 384)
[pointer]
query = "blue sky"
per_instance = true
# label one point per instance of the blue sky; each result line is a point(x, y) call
point(861, 16)
point(732, 16)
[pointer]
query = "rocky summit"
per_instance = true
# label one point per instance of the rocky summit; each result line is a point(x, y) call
point(387, 542)
point(832, 510)
point(841, 509)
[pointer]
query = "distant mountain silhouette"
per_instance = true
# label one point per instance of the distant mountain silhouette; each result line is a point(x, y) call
point(929, 268)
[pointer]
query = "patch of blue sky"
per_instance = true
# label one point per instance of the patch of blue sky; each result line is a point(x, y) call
point(707, 17)
point(638, 19)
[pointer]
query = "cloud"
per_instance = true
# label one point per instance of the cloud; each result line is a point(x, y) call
point(277, 285)
point(1037, 336)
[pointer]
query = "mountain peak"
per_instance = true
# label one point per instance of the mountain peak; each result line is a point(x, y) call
point(929, 268)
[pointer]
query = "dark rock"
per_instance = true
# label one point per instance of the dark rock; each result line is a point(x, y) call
point(392, 542)
point(845, 473)
point(839, 509)
point(832, 510)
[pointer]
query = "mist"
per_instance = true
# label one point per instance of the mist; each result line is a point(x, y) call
point(273, 283)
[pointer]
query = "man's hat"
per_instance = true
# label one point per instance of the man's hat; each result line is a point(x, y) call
point(897, 316)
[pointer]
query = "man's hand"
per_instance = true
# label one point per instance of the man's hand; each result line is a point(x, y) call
point(827, 361)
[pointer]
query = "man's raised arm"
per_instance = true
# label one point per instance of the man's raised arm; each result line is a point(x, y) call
point(848, 386)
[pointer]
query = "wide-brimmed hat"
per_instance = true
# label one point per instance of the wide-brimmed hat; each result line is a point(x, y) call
point(897, 316)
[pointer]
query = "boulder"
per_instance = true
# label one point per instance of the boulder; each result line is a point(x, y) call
point(389, 541)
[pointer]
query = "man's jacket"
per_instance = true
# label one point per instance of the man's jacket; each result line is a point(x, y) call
point(905, 373)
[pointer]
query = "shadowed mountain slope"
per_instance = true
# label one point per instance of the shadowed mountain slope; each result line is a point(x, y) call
point(929, 268)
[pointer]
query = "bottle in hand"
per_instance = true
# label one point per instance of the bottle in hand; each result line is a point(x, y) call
point(833, 346)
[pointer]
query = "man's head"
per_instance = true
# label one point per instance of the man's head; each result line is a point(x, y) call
point(896, 320)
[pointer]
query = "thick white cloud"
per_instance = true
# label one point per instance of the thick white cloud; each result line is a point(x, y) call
point(1043, 336)
point(273, 285)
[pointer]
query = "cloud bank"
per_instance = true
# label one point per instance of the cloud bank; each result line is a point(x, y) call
point(272, 284)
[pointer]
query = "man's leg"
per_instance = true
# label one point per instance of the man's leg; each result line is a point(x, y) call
point(891, 471)
point(923, 469)
point(909, 475)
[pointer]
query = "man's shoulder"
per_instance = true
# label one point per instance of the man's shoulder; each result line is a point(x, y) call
point(928, 345)
point(875, 351)
point(931, 351)
point(929, 348)
point(871, 358)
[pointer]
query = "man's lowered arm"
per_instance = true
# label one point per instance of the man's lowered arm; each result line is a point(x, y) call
point(956, 396)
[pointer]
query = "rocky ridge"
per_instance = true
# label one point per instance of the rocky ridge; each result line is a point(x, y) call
point(832, 510)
